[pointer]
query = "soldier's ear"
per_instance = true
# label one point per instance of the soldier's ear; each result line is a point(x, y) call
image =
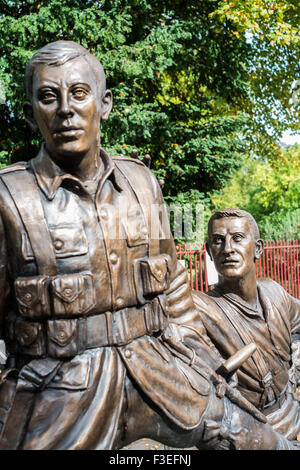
point(106, 105)
point(259, 248)
point(29, 116)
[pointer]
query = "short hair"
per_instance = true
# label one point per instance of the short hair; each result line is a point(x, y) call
point(58, 53)
point(234, 213)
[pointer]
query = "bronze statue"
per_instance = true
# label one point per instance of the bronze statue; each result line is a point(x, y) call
point(241, 310)
point(105, 343)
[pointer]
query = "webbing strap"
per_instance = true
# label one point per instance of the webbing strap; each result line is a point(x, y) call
point(23, 189)
point(140, 188)
point(237, 321)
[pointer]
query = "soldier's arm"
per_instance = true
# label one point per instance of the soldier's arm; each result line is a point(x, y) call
point(184, 317)
point(294, 314)
point(181, 307)
point(3, 273)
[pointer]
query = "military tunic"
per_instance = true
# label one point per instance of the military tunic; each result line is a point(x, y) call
point(264, 378)
point(99, 232)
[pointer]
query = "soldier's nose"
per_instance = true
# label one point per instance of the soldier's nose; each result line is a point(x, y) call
point(64, 109)
point(227, 246)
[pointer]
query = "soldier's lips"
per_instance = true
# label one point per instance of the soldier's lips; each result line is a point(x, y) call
point(69, 132)
point(230, 262)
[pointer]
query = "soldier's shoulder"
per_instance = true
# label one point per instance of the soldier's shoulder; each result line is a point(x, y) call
point(133, 166)
point(202, 299)
point(19, 166)
point(121, 159)
point(270, 287)
point(267, 283)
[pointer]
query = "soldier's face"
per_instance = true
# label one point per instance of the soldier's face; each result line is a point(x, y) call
point(67, 107)
point(233, 247)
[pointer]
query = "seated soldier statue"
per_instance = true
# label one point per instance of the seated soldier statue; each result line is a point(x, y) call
point(105, 343)
point(241, 310)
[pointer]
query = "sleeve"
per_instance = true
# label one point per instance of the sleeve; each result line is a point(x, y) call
point(185, 320)
point(294, 314)
point(181, 306)
point(4, 288)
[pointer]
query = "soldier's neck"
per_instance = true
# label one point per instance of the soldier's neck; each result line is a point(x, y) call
point(245, 288)
point(85, 167)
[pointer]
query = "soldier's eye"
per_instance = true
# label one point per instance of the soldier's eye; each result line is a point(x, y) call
point(237, 238)
point(48, 97)
point(217, 240)
point(79, 93)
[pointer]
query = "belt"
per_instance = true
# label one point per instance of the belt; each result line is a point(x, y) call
point(68, 337)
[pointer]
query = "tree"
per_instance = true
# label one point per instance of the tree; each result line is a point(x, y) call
point(270, 191)
point(182, 74)
point(272, 29)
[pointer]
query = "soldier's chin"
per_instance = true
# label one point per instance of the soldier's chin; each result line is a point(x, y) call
point(230, 272)
point(71, 148)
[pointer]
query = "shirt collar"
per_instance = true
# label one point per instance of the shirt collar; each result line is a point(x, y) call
point(241, 304)
point(50, 177)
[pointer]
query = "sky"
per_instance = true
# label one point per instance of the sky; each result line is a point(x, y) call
point(289, 139)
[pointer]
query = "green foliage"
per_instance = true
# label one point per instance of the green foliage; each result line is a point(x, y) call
point(272, 29)
point(189, 86)
point(270, 191)
point(176, 75)
point(281, 225)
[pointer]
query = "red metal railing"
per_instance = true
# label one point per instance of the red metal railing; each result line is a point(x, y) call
point(280, 261)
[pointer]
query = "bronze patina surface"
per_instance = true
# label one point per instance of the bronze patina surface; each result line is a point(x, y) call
point(105, 343)
point(241, 310)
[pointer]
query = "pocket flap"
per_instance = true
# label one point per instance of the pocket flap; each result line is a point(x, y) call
point(30, 291)
point(158, 267)
point(74, 374)
point(68, 288)
point(69, 240)
point(26, 332)
point(135, 227)
point(62, 332)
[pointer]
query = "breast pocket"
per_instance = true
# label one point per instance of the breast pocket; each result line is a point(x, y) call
point(68, 240)
point(135, 227)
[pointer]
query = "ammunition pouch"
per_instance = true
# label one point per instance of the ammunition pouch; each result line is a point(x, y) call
point(71, 294)
point(56, 319)
point(64, 338)
point(152, 276)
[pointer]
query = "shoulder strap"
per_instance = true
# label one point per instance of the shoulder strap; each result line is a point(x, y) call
point(140, 185)
point(22, 187)
point(237, 321)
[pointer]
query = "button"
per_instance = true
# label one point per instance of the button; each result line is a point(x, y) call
point(58, 377)
point(120, 302)
point(104, 213)
point(128, 353)
point(113, 258)
point(67, 291)
point(135, 236)
point(28, 296)
point(61, 334)
point(77, 188)
point(58, 244)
